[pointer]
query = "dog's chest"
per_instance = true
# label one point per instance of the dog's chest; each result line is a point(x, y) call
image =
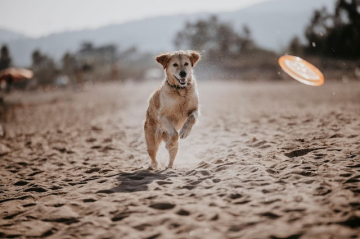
point(177, 106)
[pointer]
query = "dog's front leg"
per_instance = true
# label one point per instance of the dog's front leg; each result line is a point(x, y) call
point(191, 120)
point(171, 138)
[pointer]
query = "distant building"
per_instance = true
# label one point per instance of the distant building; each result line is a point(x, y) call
point(96, 56)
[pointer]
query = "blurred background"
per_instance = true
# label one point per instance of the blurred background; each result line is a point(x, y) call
point(74, 43)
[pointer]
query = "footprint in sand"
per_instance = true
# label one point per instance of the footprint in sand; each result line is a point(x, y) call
point(183, 212)
point(300, 152)
point(36, 189)
point(120, 216)
point(160, 183)
point(21, 183)
point(162, 206)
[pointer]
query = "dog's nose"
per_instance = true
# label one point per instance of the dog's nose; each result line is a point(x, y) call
point(182, 73)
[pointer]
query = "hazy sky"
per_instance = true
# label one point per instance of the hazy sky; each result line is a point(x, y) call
point(41, 17)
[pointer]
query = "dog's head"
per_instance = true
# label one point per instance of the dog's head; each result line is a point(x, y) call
point(179, 66)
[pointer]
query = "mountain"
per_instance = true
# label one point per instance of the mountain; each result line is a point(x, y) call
point(272, 24)
point(9, 36)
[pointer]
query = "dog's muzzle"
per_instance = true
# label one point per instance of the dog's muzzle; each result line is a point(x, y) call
point(182, 81)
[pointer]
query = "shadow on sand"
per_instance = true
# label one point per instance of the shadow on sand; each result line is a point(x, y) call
point(137, 181)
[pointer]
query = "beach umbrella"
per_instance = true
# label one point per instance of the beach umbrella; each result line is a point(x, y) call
point(16, 74)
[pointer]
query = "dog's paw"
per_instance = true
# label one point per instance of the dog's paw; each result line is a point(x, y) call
point(153, 166)
point(184, 132)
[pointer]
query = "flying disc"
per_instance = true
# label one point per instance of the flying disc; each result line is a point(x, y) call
point(301, 70)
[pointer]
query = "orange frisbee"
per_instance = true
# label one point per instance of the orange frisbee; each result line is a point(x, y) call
point(301, 70)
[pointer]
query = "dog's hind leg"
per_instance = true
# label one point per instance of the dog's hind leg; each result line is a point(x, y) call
point(152, 143)
point(172, 146)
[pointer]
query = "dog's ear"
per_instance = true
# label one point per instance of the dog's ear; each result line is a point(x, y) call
point(163, 59)
point(194, 57)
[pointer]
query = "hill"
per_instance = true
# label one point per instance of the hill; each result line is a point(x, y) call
point(9, 36)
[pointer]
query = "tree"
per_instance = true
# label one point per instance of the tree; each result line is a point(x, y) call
point(216, 39)
point(68, 63)
point(336, 35)
point(295, 46)
point(37, 58)
point(5, 59)
point(44, 68)
point(86, 46)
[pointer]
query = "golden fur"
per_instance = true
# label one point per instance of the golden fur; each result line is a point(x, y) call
point(172, 108)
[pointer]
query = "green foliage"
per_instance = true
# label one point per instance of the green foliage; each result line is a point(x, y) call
point(295, 47)
point(335, 35)
point(68, 64)
point(44, 68)
point(217, 40)
point(5, 59)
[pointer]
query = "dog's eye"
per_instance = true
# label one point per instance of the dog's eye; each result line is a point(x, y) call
point(175, 65)
point(186, 64)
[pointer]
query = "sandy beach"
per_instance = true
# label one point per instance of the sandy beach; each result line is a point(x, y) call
point(266, 160)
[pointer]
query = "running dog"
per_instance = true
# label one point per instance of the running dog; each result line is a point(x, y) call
point(173, 106)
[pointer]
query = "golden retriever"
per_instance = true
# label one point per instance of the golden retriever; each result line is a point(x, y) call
point(173, 106)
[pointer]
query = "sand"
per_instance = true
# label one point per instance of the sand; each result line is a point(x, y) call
point(266, 160)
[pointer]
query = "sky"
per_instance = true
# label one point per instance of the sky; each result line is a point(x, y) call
point(36, 18)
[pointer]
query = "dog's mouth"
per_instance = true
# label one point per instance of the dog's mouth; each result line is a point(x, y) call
point(182, 81)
